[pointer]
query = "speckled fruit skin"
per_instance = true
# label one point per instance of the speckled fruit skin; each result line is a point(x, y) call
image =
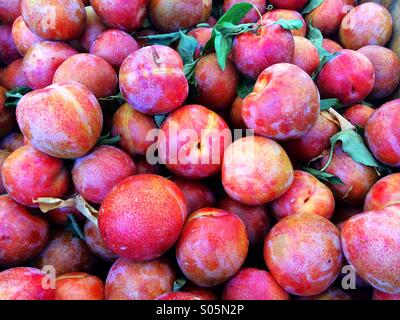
point(202, 35)
point(93, 72)
point(289, 4)
point(359, 114)
point(198, 194)
point(303, 254)
point(66, 254)
point(328, 16)
point(382, 133)
point(282, 112)
point(13, 76)
point(142, 166)
point(9, 10)
point(172, 15)
point(152, 80)
point(331, 46)
point(314, 142)
point(59, 216)
point(114, 46)
point(22, 235)
point(255, 218)
point(142, 217)
point(216, 88)
point(97, 173)
point(277, 14)
point(96, 244)
point(7, 117)
point(331, 294)
point(12, 141)
point(379, 295)
point(252, 15)
point(94, 27)
point(256, 170)
point(127, 15)
point(8, 50)
point(305, 55)
point(79, 286)
point(235, 114)
point(29, 174)
point(42, 60)
point(253, 284)
point(252, 52)
point(179, 296)
point(357, 178)
point(133, 126)
point(128, 280)
point(358, 83)
point(24, 38)
point(53, 20)
point(212, 247)
point(371, 243)
point(196, 154)
point(63, 120)
point(383, 193)
point(306, 195)
point(387, 70)
point(3, 155)
point(366, 24)
point(24, 284)
point(204, 293)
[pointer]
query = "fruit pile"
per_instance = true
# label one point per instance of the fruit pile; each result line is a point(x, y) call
point(199, 149)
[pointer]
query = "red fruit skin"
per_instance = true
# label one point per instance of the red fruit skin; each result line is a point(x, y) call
point(331, 46)
point(3, 155)
point(97, 173)
point(129, 280)
point(380, 295)
point(198, 194)
point(357, 178)
point(42, 60)
point(204, 293)
point(170, 15)
point(12, 142)
point(22, 235)
point(53, 20)
point(94, 27)
point(235, 115)
point(142, 217)
point(328, 16)
point(306, 195)
point(114, 46)
point(96, 244)
point(127, 15)
point(255, 218)
point(366, 24)
point(8, 50)
point(358, 83)
point(371, 243)
point(24, 284)
point(253, 284)
point(133, 127)
point(29, 174)
point(24, 38)
point(212, 247)
point(93, 72)
point(59, 216)
point(66, 254)
point(303, 254)
point(9, 11)
point(179, 296)
point(331, 294)
point(277, 14)
point(201, 155)
point(202, 35)
point(358, 114)
point(79, 286)
point(63, 120)
point(383, 133)
point(152, 80)
point(289, 4)
point(13, 76)
point(7, 116)
point(142, 166)
point(252, 52)
point(282, 112)
point(384, 193)
point(252, 15)
point(314, 142)
point(305, 55)
point(256, 170)
point(387, 70)
point(216, 88)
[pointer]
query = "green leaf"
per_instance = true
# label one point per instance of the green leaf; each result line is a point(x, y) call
point(159, 119)
point(73, 226)
point(365, 103)
point(331, 103)
point(314, 35)
point(117, 98)
point(323, 62)
point(236, 13)
point(186, 47)
point(13, 96)
point(108, 140)
point(179, 284)
point(295, 24)
point(245, 87)
point(311, 5)
point(223, 47)
point(189, 71)
point(324, 176)
point(165, 39)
